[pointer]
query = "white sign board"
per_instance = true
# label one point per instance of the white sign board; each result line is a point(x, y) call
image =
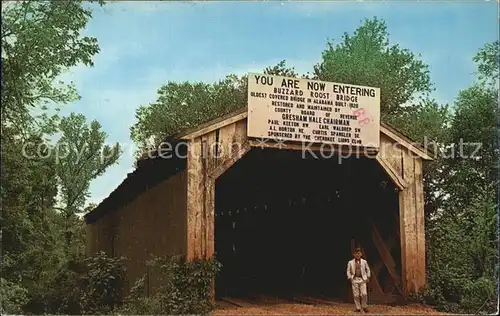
point(292, 109)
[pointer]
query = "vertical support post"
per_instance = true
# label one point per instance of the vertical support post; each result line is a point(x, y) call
point(411, 210)
point(200, 203)
point(420, 224)
point(194, 199)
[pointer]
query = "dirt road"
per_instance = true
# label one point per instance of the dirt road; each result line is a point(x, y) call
point(283, 307)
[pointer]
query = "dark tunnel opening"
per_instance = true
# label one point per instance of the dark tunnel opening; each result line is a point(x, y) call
point(284, 224)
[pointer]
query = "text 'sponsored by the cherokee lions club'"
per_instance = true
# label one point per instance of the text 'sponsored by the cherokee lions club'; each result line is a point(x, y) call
point(312, 111)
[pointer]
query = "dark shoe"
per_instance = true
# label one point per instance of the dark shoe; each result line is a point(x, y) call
point(357, 310)
point(366, 310)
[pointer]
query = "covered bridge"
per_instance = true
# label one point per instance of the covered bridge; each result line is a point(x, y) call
point(279, 219)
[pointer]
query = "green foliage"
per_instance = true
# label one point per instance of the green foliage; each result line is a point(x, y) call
point(181, 287)
point(184, 105)
point(367, 58)
point(475, 294)
point(31, 236)
point(13, 297)
point(428, 123)
point(40, 40)
point(462, 252)
point(488, 61)
point(102, 283)
point(87, 286)
point(281, 69)
point(81, 156)
point(474, 145)
point(462, 237)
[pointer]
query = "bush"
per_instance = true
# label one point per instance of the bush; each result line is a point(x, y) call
point(462, 253)
point(102, 284)
point(183, 288)
point(13, 297)
point(88, 286)
point(480, 296)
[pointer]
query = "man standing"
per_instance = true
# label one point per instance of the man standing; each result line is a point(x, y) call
point(358, 273)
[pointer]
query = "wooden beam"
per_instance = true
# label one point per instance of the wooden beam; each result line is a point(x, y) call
point(237, 302)
point(213, 125)
point(374, 281)
point(205, 199)
point(385, 254)
point(420, 225)
point(406, 142)
point(194, 198)
point(217, 172)
point(374, 275)
point(407, 218)
point(357, 152)
point(393, 174)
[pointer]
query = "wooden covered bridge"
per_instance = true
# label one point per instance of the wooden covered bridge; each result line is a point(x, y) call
point(277, 219)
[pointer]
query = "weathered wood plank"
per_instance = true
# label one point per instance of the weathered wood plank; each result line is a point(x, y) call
point(231, 160)
point(316, 300)
point(420, 224)
point(237, 302)
point(212, 150)
point(306, 147)
point(210, 218)
point(385, 254)
point(205, 199)
point(222, 304)
point(91, 240)
point(411, 146)
point(391, 152)
point(403, 243)
point(375, 283)
point(153, 223)
point(392, 173)
point(209, 127)
point(209, 201)
point(226, 142)
point(194, 199)
point(408, 226)
point(240, 132)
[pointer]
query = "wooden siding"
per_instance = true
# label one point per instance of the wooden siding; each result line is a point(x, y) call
point(411, 212)
point(152, 224)
point(206, 153)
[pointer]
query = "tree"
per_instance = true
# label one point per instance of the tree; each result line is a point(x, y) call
point(488, 61)
point(40, 40)
point(428, 123)
point(474, 144)
point(280, 69)
point(463, 237)
point(184, 105)
point(81, 156)
point(367, 58)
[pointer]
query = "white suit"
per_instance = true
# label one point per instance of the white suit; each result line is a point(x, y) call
point(359, 283)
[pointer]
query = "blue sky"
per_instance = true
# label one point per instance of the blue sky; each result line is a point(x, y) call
point(144, 44)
